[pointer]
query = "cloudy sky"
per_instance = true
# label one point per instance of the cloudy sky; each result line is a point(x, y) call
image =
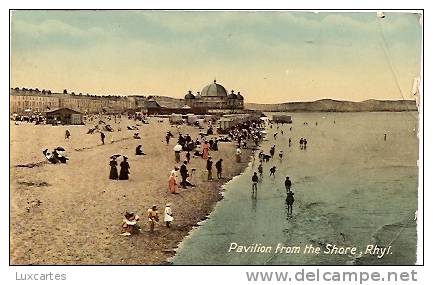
point(270, 57)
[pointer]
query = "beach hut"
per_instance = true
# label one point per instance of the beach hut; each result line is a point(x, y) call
point(208, 118)
point(64, 116)
point(191, 119)
point(175, 119)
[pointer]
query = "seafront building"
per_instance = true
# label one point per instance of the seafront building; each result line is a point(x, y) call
point(41, 101)
point(213, 98)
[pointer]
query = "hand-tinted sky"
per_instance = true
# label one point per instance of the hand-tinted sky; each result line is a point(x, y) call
point(270, 57)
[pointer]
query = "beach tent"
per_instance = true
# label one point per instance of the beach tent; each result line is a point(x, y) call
point(191, 119)
point(201, 123)
point(208, 118)
point(175, 119)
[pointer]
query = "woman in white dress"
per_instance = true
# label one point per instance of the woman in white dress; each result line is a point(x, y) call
point(168, 215)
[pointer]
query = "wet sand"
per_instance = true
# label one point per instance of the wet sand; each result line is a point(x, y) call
point(72, 213)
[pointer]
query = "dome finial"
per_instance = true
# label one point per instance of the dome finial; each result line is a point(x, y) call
point(214, 81)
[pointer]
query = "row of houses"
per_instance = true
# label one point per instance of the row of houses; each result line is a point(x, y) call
point(213, 99)
point(36, 101)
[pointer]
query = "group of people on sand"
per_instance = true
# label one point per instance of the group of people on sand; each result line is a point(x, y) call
point(124, 168)
point(181, 177)
point(58, 155)
point(130, 221)
point(173, 180)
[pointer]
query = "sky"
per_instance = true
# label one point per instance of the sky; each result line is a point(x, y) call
point(269, 56)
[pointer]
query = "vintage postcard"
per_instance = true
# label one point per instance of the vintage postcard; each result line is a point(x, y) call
point(174, 137)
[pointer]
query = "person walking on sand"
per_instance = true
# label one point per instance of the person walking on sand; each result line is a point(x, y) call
point(168, 215)
point(102, 138)
point(384, 137)
point(219, 168)
point(281, 155)
point(177, 149)
point(113, 169)
point(183, 173)
point(188, 157)
point(290, 199)
point(172, 184)
point(205, 150)
point(67, 134)
point(238, 154)
point(209, 164)
point(124, 169)
point(255, 181)
point(152, 215)
point(288, 184)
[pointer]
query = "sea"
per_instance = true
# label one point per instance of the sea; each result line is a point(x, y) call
point(353, 190)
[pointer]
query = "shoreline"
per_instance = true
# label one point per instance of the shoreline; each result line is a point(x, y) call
point(221, 190)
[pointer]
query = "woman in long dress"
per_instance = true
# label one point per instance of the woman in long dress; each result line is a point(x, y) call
point(172, 184)
point(168, 215)
point(124, 169)
point(205, 150)
point(113, 169)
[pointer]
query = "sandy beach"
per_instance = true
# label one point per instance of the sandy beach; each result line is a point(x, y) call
point(72, 213)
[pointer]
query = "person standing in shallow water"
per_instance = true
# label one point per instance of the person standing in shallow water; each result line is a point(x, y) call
point(272, 151)
point(288, 184)
point(290, 199)
point(272, 171)
point(113, 169)
point(255, 181)
point(260, 169)
point(124, 169)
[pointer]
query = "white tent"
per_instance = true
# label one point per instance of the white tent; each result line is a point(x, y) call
point(175, 119)
point(192, 119)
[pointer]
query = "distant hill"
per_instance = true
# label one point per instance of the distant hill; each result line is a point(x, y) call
point(329, 105)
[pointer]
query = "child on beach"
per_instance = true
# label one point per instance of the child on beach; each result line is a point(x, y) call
point(130, 225)
point(152, 215)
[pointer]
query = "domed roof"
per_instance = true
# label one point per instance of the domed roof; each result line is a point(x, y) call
point(214, 90)
point(232, 95)
point(189, 95)
point(239, 96)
